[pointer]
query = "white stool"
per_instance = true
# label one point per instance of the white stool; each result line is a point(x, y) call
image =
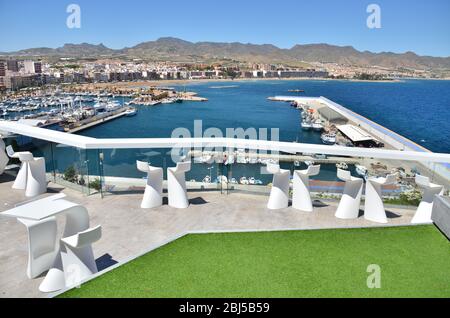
point(42, 247)
point(423, 213)
point(279, 194)
point(374, 207)
point(351, 198)
point(21, 179)
point(153, 188)
point(301, 198)
point(36, 179)
point(3, 157)
point(78, 258)
point(176, 185)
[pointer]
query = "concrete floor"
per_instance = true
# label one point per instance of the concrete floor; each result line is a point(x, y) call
point(129, 230)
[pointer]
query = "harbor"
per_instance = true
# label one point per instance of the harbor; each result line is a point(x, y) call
point(73, 109)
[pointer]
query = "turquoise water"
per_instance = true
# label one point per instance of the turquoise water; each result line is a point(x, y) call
point(416, 109)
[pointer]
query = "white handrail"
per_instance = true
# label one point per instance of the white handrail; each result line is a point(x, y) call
point(289, 147)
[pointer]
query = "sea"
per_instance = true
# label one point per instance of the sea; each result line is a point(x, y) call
point(417, 109)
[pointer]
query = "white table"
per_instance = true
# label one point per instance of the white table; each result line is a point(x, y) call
point(77, 220)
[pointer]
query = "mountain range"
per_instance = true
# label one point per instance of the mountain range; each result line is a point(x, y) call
point(177, 50)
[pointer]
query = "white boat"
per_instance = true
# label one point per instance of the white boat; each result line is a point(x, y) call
point(230, 159)
point(328, 139)
point(342, 165)
point(233, 181)
point(306, 124)
point(317, 125)
point(130, 112)
point(361, 170)
point(297, 163)
point(309, 162)
point(241, 156)
point(243, 180)
point(205, 158)
point(221, 179)
point(206, 179)
point(251, 180)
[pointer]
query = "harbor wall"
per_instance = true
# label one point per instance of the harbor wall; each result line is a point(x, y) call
point(382, 133)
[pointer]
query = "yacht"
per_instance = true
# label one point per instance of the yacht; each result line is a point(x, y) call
point(130, 112)
point(342, 165)
point(306, 124)
point(328, 139)
point(230, 159)
point(361, 170)
point(207, 179)
point(317, 125)
point(243, 180)
point(241, 156)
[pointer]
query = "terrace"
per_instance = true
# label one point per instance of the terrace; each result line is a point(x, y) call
point(129, 231)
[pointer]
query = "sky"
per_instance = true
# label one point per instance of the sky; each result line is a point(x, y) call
point(406, 25)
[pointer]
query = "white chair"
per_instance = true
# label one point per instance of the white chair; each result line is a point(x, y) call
point(301, 198)
point(77, 256)
point(153, 189)
point(351, 198)
point(36, 179)
point(42, 245)
point(423, 213)
point(3, 157)
point(279, 194)
point(31, 176)
point(374, 207)
point(21, 179)
point(12, 153)
point(176, 185)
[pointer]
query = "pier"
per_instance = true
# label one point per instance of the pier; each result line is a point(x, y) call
point(96, 120)
point(279, 157)
point(387, 136)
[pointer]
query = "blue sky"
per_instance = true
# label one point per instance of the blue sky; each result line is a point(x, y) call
point(407, 25)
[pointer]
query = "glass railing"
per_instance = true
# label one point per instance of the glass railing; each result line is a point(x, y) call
point(113, 171)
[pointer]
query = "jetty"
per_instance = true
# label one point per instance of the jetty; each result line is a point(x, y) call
point(95, 120)
point(390, 138)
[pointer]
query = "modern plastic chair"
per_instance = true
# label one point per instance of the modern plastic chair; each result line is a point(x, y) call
point(77, 256)
point(12, 153)
point(351, 198)
point(176, 185)
point(153, 188)
point(423, 212)
point(42, 245)
point(374, 207)
point(36, 179)
point(279, 194)
point(301, 198)
point(3, 157)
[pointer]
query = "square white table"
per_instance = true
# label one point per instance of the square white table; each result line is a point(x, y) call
point(41, 209)
point(77, 220)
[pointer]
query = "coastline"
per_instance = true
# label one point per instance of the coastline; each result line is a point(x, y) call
point(156, 83)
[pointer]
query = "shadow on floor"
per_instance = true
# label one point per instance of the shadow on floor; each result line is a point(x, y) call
point(7, 176)
point(389, 214)
point(197, 201)
point(319, 204)
point(104, 262)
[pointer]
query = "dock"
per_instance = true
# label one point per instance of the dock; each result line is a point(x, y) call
point(97, 120)
point(387, 136)
point(279, 157)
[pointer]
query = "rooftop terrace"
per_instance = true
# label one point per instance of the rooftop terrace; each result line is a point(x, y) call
point(129, 231)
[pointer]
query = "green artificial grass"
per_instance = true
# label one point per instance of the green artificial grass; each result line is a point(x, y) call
point(414, 262)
